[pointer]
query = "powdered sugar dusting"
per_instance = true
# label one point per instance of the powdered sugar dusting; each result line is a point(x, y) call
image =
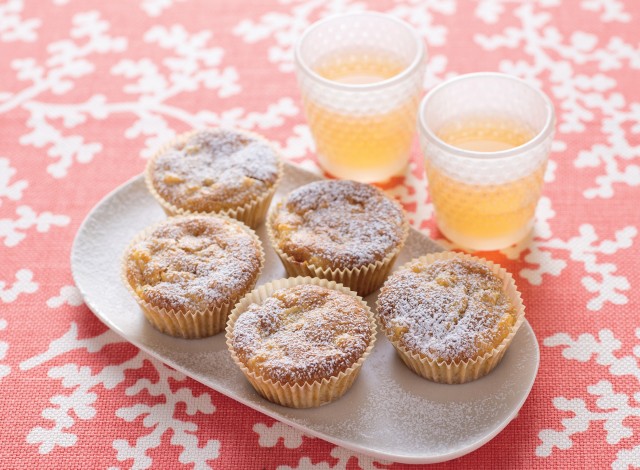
point(452, 309)
point(302, 334)
point(388, 409)
point(214, 170)
point(340, 224)
point(193, 263)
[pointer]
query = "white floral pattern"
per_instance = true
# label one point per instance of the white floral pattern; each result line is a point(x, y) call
point(23, 284)
point(4, 348)
point(612, 408)
point(69, 295)
point(277, 432)
point(80, 403)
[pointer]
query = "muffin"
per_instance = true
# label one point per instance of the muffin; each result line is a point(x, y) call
point(301, 341)
point(450, 316)
point(188, 272)
point(345, 231)
point(216, 171)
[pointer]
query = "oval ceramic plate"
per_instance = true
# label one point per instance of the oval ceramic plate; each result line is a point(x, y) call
point(390, 413)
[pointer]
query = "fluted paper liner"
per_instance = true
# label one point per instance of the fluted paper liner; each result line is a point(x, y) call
point(363, 279)
point(464, 371)
point(189, 324)
point(310, 394)
point(253, 213)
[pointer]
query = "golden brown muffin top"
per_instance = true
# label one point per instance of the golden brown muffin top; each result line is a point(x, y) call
point(193, 263)
point(338, 224)
point(454, 310)
point(302, 334)
point(214, 169)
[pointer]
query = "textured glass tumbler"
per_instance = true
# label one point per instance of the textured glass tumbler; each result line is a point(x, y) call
point(360, 76)
point(486, 139)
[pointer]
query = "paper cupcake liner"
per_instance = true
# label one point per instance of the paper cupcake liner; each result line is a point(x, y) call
point(252, 213)
point(189, 324)
point(364, 279)
point(464, 371)
point(309, 394)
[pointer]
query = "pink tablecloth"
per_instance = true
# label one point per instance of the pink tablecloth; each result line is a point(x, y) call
point(89, 88)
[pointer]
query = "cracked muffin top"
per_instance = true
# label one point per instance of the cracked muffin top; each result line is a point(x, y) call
point(303, 333)
point(338, 224)
point(193, 263)
point(213, 170)
point(450, 310)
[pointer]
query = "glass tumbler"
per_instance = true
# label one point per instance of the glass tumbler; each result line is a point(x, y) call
point(486, 139)
point(360, 75)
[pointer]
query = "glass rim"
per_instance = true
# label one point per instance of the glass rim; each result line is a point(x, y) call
point(415, 63)
point(540, 136)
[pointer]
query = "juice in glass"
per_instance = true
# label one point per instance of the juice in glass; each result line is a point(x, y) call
point(468, 212)
point(372, 144)
point(361, 78)
point(486, 139)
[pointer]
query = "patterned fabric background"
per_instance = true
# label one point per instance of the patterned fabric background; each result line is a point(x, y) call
point(89, 88)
